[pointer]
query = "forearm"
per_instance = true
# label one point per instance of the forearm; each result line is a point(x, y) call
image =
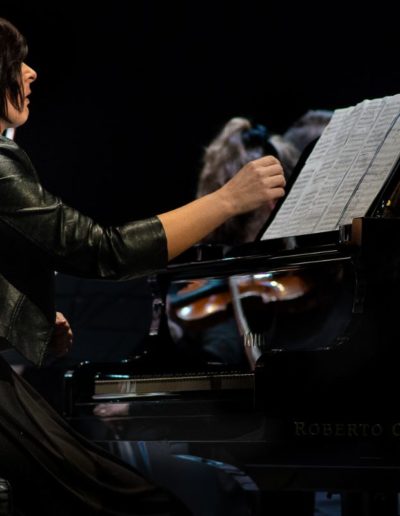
point(259, 182)
point(187, 225)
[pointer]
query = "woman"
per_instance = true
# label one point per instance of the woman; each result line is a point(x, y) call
point(53, 470)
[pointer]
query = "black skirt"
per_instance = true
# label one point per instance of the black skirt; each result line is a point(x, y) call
point(54, 470)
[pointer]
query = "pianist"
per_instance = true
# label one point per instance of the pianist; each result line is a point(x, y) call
point(52, 470)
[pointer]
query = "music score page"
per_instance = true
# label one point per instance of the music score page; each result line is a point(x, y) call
point(345, 171)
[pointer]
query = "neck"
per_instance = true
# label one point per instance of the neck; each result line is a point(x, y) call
point(9, 133)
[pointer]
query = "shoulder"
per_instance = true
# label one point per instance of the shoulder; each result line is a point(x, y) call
point(8, 146)
point(13, 159)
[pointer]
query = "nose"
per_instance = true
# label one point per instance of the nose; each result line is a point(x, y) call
point(28, 73)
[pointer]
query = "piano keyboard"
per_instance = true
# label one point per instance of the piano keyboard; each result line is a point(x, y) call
point(145, 385)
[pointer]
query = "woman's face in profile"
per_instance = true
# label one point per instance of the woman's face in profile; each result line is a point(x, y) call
point(19, 117)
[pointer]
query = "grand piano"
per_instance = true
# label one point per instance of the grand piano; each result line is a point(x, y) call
point(313, 405)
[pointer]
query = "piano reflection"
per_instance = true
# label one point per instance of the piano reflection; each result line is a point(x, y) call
point(314, 305)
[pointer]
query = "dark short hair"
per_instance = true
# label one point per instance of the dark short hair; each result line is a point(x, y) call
point(13, 51)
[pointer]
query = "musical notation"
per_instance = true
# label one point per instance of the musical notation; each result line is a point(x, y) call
point(345, 171)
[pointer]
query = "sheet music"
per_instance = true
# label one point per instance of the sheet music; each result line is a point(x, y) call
point(345, 171)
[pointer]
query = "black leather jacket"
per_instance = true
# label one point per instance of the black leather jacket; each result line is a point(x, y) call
point(40, 234)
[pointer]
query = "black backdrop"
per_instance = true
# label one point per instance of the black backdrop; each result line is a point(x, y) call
point(129, 93)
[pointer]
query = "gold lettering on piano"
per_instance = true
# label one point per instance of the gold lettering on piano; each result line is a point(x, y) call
point(355, 430)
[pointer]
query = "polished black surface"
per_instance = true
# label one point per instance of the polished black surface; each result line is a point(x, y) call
point(319, 329)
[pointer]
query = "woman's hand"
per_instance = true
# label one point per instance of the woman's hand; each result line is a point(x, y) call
point(62, 338)
point(258, 183)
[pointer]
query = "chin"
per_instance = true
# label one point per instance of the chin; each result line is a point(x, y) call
point(19, 118)
point(21, 121)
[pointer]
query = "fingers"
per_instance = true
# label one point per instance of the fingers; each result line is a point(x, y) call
point(277, 180)
point(266, 161)
point(272, 177)
point(268, 166)
point(277, 193)
point(61, 346)
point(61, 321)
point(62, 336)
point(60, 318)
point(63, 340)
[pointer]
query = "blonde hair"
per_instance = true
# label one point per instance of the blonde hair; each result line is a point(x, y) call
point(222, 159)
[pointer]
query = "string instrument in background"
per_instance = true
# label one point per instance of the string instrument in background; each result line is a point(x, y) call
point(208, 300)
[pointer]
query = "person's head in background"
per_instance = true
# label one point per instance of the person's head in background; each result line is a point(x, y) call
point(240, 142)
point(307, 128)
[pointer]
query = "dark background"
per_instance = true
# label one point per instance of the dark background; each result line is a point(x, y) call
point(129, 93)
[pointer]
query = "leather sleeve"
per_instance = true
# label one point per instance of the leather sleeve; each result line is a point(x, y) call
point(41, 225)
